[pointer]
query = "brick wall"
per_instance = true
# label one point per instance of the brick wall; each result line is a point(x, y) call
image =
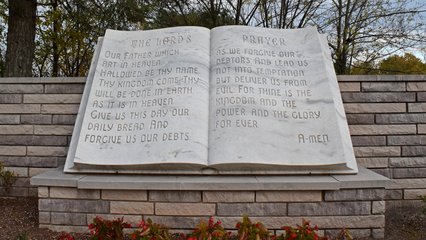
point(386, 114)
point(37, 116)
point(360, 210)
point(387, 121)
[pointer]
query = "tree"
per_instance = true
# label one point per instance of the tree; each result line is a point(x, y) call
point(20, 38)
point(407, 64)
point(362, 30)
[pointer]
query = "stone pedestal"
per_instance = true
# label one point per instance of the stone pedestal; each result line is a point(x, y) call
point(68, 202)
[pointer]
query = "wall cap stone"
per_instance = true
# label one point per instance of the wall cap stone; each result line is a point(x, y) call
point(364, 179)
point(19, 80)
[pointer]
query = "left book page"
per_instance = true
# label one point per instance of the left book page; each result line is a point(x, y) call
point(145, 102)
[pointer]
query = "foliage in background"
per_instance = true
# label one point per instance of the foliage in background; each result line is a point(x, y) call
point(7, 178)
point(395, 64)
point(360, 31)
point(407, 64)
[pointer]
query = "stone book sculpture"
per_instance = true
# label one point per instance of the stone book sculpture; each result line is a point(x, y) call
point(231, 100)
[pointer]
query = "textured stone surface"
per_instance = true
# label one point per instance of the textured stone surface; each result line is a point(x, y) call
point(20, 171)
point(43, 192)
point(13, 150)
point(407, 183)
point(378, 97)
point(350, 86)
point(32, 140)
point(31, 161)
point(36, 171)
point(60, 228)
point(401, 118)
point(355, 194)
point(408, 162)
point(421, 128)
point(36, 119)
point(43, 217)
point(329, 208)
point(59, 192)
point(383, 86)
point(377, 151)
point(9, 119)
point(421, 96)
point(64, 119)
point(179, 222)
point(382, 129)
point(46, 151)
point(359, 118)
point(407, 140)
point(64, 88)
point(416, 86)
point(228, 196)
point(20, 108)
point(373, 162)
point(10, 98)
point(175, 196)
point(125, 207)
point(409, 173)
point(182, 209)
point(59, 108)
point(378, 233)
point(414, 193)
point(412, 151)
point(125, 195)
point(21, 88)
point(417, 107)
point(392, 194)
point(53, 129)
point(16, 129)
point(251, 209)
point(68, 205)
point(338, 222)
point(78, 219)
point(378, 207)
point(288, 196)
point(359, 141)
point(375, 107)
point(52, 98)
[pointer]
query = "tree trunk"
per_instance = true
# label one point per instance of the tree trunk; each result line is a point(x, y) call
point(20, 38)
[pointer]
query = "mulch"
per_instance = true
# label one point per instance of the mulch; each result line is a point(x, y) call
point(19, 218)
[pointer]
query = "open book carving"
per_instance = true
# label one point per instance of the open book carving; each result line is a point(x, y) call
point(231, 100)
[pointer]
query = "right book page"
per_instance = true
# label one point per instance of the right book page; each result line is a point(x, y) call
point(275, 103)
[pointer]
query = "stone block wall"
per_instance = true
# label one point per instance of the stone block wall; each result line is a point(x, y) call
point(37, 118)
point(387, 121)
point(360, 210)
point(386, 114)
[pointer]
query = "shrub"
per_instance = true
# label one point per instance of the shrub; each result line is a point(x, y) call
point(423, 198)
point(7, 178)
point(102, 229)
point(209, 231)
point(251, 231)
point(301, 232)
point(149, 230)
